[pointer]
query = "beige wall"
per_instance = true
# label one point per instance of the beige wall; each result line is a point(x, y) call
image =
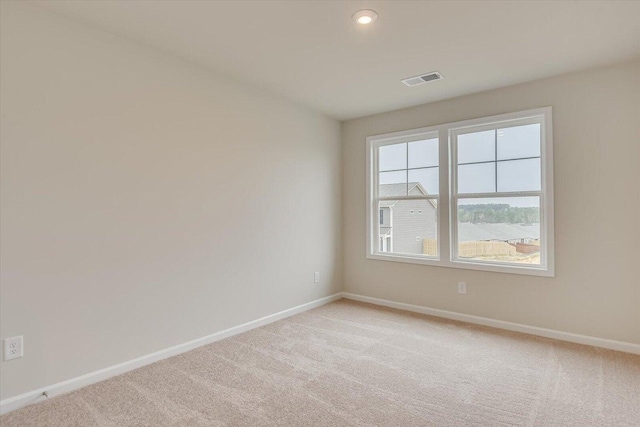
point(596, 291)
point(147, 202)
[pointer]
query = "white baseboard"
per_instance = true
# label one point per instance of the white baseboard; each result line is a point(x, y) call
point(36, 396)
point(500, 324)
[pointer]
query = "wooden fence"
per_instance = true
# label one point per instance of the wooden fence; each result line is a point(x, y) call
point(471, 249)
point(430, 247)
point(527, 248)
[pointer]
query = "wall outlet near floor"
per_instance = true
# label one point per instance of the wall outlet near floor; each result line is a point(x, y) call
point(462, 288)
point(316, 277)
point(13, 348)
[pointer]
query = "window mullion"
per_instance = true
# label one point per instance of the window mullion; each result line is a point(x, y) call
point(444, 205)
point(498, 195)
point(495, 153)
point(382, 199)
point(406, 172)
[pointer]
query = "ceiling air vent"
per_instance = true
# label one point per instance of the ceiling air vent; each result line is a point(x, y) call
point(424, 78)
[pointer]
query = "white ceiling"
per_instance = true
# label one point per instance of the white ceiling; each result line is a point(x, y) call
point(314, 54)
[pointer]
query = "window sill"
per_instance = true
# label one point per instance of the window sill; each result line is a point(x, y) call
point(465, 265)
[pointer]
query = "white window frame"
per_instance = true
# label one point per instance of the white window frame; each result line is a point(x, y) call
point(447, 197)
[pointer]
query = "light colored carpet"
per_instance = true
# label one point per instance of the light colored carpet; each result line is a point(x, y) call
point(353, 364)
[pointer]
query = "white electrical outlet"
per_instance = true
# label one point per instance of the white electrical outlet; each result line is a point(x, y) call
point(316, 277)
point(462, 288)
point(13, 348)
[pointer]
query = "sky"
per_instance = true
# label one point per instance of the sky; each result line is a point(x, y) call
point(507, 158)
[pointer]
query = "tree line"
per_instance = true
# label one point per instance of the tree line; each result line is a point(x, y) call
point(496, 213)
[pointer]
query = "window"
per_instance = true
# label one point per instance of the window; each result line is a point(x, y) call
point(407, 182)
point(494, 178)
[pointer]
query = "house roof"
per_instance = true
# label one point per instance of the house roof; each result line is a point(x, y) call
point(468, 232)
point(399, 190)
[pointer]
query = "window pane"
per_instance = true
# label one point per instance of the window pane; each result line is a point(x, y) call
point(505, 229)
point(409, 227)
point(477, 147)
point(477, 178)
point(392, 184)
point(519, 141)
point(519, 175)
point(423, 153)
point(428, 178)
point(392, 157)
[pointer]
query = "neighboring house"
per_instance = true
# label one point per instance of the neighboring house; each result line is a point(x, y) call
point(406, 224)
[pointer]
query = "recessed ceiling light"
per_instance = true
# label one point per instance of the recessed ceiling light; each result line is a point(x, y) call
point(365, 16)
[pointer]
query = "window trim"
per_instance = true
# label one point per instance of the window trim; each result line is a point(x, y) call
point(446, 210)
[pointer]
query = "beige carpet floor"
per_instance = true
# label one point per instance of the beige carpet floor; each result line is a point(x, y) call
point(353, 364)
